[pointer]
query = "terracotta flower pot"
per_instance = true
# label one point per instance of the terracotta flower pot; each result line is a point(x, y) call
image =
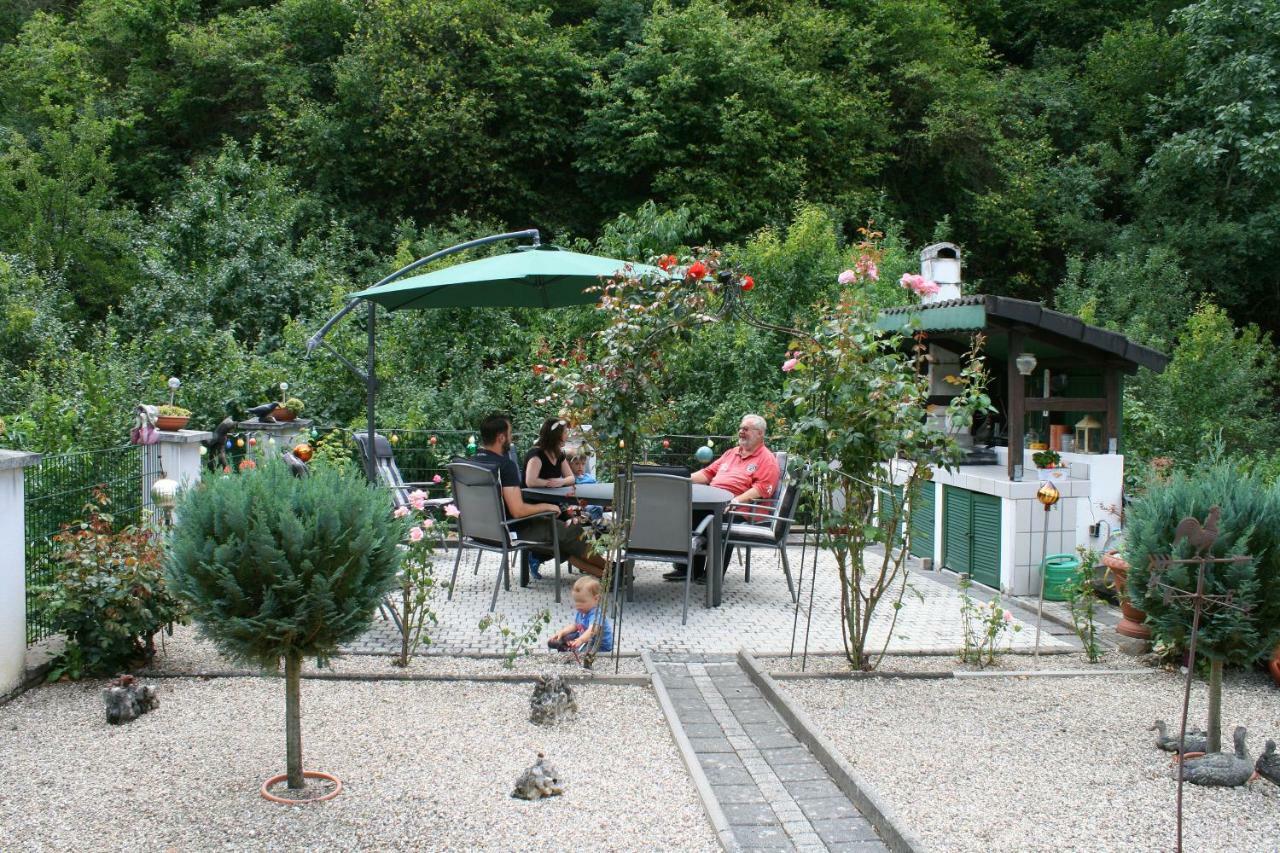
point(1133, 623)
point(283, 414)
point(308, 774)
point(170, 423)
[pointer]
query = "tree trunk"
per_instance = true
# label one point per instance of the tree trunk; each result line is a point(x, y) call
point(1215, 705)
point(293, 718)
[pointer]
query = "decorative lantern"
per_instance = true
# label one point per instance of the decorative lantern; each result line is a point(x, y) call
point(1026, 362)
point(1088, 435)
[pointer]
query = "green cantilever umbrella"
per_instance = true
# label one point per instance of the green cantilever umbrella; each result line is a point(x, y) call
point(529, 277)
point(534, 276)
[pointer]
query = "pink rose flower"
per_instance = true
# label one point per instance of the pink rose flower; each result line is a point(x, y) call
point(418, 499)
point(848, 277)
point(415, 534)
point(401, 511)
point(437, 479)
point(790, 365)
point(427, 524)
point(452, 511)
point(1008, 617)
point(867, 267)
point(927, 288)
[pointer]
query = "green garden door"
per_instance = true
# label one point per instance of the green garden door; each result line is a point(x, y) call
point(971, 534)
point(922, 511)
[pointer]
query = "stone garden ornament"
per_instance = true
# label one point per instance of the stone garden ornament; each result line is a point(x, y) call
point(127, 699)
point(540, 780)
point(552, 701)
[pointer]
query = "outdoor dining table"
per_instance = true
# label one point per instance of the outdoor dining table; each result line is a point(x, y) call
point(705, 499)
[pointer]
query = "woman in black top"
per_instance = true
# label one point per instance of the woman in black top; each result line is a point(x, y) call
point(545, 465)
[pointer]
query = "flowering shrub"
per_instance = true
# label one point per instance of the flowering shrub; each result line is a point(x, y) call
point(859, 401)
point(424, 539)
point(918, 284)
point(984, 625)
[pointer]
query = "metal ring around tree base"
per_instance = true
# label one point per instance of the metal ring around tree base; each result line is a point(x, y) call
point(307, 774)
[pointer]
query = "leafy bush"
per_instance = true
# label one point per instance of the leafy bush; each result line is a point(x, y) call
point(1249, 524)
point(276, 566)
point(108, 594)
point(169, 411)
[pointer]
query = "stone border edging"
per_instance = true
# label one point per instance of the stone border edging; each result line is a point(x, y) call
point(1050, 673)
point(941, 675)
point(715, 815)
point(882, 817)
point(493, 677)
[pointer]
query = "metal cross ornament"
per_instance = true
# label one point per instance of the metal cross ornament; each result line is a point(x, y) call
point(1200, 538)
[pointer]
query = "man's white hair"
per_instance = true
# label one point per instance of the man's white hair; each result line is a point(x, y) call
point(757, 422)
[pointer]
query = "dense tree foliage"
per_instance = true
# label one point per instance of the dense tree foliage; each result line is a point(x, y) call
point(194, 185)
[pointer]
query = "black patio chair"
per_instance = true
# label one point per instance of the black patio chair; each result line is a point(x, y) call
point(749, 528)
point(661, 525)
point(389, 474)
point(483, 524)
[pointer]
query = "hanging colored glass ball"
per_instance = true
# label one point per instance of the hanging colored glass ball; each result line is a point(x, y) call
point(432, 441)
point(230, 444)
point(253, 442)
point(666, 444)
point(315, 433)
point(204, 451)
point(303, 451)
point(703, 454)
point(395, 438)
point(748, 282)
point(271, 440)
point(239, 442)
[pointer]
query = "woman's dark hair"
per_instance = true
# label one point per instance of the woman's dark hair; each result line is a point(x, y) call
point(551, 436)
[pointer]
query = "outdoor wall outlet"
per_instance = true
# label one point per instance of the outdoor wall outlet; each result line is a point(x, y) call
point(1095, 530)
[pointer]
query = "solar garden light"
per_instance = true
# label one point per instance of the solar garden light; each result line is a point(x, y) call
point(174, 384)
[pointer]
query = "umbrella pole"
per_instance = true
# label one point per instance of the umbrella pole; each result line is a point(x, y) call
point(371, 393)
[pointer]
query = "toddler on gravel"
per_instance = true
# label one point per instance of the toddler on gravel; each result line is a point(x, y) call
point(588, 620)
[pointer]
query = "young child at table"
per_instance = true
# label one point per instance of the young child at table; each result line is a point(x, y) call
point(588, 620)
point(578, 465)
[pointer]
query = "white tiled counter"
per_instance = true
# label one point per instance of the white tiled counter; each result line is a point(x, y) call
point(1093, 485)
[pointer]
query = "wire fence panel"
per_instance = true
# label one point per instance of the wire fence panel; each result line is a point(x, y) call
point(56, 492)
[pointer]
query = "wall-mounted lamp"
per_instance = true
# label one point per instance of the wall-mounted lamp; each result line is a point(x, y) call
point(1026, 362)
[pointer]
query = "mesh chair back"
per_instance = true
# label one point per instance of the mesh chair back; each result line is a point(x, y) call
point(479, 502)
point(388, 473)
point(781, 456)
point(663, 519)
point(787, 503)
point(674, 470)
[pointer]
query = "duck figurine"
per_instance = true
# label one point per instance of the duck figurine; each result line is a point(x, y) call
point(1197, 740)
point(1220, 769)
point(1268, 765)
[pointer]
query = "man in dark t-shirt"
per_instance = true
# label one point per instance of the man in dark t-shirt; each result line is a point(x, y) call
point(495, 440)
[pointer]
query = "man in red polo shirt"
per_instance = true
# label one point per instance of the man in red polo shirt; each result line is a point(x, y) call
point(749, 471)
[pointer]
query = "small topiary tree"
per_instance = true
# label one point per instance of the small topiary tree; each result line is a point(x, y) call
point(1249, 525)
point(275, 566)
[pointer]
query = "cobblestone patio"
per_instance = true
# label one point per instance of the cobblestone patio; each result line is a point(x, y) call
point(758, 616)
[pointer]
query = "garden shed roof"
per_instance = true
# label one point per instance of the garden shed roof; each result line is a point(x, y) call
point(1000, 314)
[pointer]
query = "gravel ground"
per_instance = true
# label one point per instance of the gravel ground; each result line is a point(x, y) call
point(425, 766)
point(964, 762)
point(951, 663)
point(184, 652)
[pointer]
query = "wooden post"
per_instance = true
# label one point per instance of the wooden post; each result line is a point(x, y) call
point(1017, 414)
point(1111, 383)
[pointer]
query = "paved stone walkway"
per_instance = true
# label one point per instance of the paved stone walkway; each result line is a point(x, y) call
point(772, 790)
point(758, 615)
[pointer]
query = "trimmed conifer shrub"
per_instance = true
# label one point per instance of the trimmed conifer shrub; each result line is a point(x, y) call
point(274, 566)
point(1249, 525)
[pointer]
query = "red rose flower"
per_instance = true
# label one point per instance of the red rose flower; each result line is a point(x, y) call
point(748, 282)
point(697, 270)
point(666, 262)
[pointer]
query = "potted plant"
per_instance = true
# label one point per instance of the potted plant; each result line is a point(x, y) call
point(1134, 623)
point(1049, 465)
point(276, 566)
point(171, 417)
point(288, 410)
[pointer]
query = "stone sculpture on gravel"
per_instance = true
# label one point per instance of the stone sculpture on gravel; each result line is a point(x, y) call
point(1220, 769)
point(540, 780)
point(552, 701)
point(1196, 739)
point(127, 699)
point(1268, 765)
